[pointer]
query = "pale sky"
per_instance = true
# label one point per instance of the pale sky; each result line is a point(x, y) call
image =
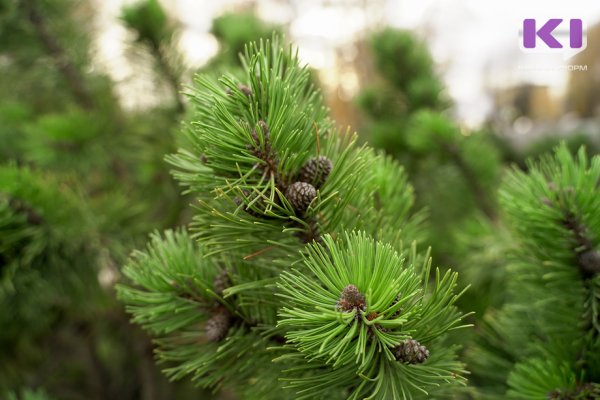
point(475, 42)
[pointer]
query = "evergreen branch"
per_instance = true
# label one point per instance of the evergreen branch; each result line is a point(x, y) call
point(330, 320)
point(269, 175)
point(552, 308)
point(67, 68)
point(587, 257)
point(179, 294)
point(481, 195)
point(171, 76)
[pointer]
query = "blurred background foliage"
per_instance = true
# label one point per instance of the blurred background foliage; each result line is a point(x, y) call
point(83, 182)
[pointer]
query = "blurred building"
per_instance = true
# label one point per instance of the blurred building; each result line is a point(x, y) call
point(527, 113)
point(583, 95)
point(526, 100)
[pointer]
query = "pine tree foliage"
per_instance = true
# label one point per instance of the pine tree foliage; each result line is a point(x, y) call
point(47, 263)
point(233, 31)
point(177, 299)
point(149, 20)
point(373, 327)
point(550, 323)
point(406, 113)
point(81, 181)
point(39, 221)
point(405, 83)
point(33, 35)
point(346, 316)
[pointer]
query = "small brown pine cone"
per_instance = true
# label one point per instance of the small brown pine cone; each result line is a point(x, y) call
point(300, 195)
point(350, 299)
point(411, 352)
point(245, 89)
point(589, 261)
point(315, 171)
point(218, 324)
point(221, 282)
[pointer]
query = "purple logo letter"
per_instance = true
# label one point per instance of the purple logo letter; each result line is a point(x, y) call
point(545, 33)
point(576, 33)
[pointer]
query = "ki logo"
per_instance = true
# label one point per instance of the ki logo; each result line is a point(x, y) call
point(553, 36)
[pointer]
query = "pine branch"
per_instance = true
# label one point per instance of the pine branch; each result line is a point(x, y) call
point(269, 175)
point(67, 68)
point(21, 207)
point(169, 73)
point(583, 248)
point(549, 325)
point(482, 197)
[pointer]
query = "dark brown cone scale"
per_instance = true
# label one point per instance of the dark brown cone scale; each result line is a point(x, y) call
point(218, 324)
point(411, 352)
point(315, 171)
point(300, 195)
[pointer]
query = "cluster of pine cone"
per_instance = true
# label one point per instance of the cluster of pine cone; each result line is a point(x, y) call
point(311, 177)
point(303, 190)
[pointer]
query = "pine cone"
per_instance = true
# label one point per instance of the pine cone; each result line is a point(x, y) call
point(217, 326)
point(411, 352)
point(589, 261)
point(245, 89)
point(315, 171)
point(300, 195)
point(221, 282)
point(350, 299)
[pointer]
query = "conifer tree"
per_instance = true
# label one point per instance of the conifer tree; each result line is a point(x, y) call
point(299, 276)
point(405, 83)
point(544, 342)
point(78, 184)
point(406, 112)
point(233, 31)
point(64, 231)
